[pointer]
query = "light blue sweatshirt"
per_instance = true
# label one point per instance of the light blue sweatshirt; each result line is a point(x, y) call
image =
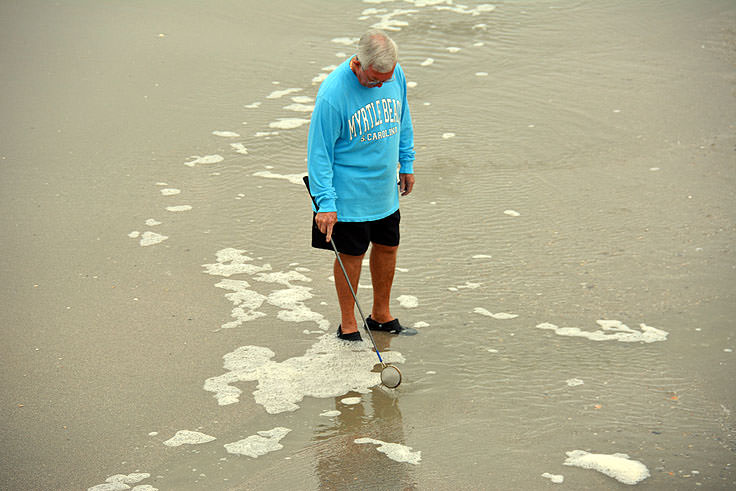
point(357, 137)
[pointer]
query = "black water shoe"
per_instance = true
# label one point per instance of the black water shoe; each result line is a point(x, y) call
point(351, 336)
point(392, 327)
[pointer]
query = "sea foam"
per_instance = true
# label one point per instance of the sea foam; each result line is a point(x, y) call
point(394, 451)
point(292, 178)
point(207, 159)
point(499, 315)
point(408, 301)
point(611, 330)
point(152, 238)
point(261, 444)
point(288, 123)
point(618, 465)
point(187, 437)
point(330, 368)
point(277, 94)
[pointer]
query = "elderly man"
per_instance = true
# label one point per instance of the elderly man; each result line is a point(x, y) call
point(359, 134)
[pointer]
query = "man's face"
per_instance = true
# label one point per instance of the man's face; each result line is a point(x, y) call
point(371, 78)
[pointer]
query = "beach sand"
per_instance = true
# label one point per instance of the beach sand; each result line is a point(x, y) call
point(575, 169)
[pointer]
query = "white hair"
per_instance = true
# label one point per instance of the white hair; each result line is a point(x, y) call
point(377, 50)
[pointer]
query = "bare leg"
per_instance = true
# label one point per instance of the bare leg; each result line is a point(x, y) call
point(353, 266)
point(383, 266)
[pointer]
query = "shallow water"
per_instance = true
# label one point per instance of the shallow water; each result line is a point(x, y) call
point(575, 163)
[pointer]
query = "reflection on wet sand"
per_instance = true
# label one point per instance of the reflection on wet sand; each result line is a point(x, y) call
point(343, 464)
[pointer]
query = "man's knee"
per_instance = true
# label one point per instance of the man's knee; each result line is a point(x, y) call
point(384, 249)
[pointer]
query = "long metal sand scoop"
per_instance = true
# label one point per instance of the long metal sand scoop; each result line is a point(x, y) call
point(390, 375)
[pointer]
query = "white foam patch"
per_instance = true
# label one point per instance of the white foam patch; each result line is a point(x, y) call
point(226, 134)
point(394, 451)
point(330, 368)
point(300, 108)
point(555, 478)
point(411, 85)
point(427, 62)
point(574, 382)
point(117, 486)
point(232, 261)
point(373, 11)
point(351, 401)
point(467, 286)
point(482, 256)
point(134, 234)
point(152, 222)
point(207, 159)
point(187, 437)
point(179, 208)
point(152, 238)
point(499, 315)
point(292, 178)
point(420, 324)
point(261, 444)
point(453, 49)
point(618, 465)
point(408, 301)
point(121, 482)
point(289, 300)
point(331, 414)
point(512, 213)
point(318, 79)
point(302, 99)
point(253, 105)
point(245, 302)
point(293, 309)
point(170, 191)
point(481, 74)
point(448, 135)
point(345, 40)
point(611, 330)
point(288, 123)
point(277, 94)
point(239, 148)
point(388, 22)
point(462, 9)
point(266, 134)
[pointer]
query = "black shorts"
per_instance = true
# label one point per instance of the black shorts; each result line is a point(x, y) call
point(353, 238)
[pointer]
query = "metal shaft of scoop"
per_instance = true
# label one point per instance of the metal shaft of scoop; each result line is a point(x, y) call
point(355, 298)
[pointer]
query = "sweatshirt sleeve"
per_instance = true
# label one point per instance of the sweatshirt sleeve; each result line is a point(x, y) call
point(406, 141)
point(324, 131)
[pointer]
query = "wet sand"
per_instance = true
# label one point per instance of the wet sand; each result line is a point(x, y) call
point(575, 163)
